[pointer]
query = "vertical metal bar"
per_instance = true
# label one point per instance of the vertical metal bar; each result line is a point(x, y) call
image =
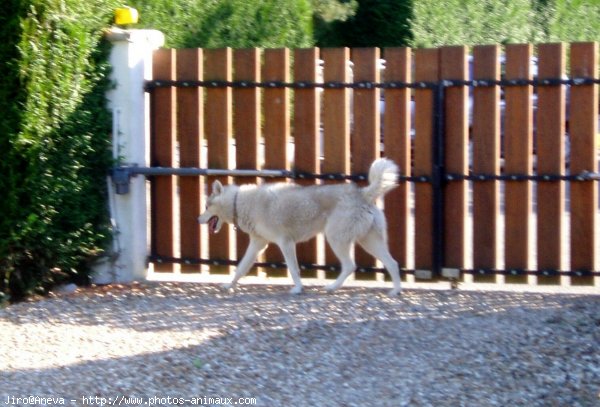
point(437, 179)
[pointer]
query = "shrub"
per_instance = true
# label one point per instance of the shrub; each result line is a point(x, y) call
point(55, 139)
point(229, 23)
point(570, 20)
point(470, 22)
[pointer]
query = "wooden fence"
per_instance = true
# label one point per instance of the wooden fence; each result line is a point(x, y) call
point(497, 149)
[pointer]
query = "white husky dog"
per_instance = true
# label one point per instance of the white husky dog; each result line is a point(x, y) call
point(286, 214)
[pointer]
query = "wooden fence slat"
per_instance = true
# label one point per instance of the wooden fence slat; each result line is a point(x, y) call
point(217, 119)
point(246, 123)
point(583, 130)
point(162, 154)
point(366, 138)
point(276, 125)
point(454, 66)
point(397, 143)
point(518, 152)
point(336, 121)
point(190, 135)
point(306, 135)
point(550, 148)
point(426, 69)
point(486, 158)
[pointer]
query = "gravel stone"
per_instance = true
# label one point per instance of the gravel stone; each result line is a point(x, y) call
point(357, 347)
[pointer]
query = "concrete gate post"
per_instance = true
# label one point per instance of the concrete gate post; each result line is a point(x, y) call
point(131, 60)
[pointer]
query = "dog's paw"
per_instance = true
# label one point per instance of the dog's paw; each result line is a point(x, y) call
point(296, 290)
point(395, 292)
point(331, 288)
point(227, 287)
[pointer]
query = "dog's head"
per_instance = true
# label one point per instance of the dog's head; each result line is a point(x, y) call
point(215, 208)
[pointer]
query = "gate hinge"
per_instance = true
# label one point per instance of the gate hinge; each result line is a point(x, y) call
point(121, 177)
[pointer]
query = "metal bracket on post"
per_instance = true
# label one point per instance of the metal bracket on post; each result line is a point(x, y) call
point(120, 178)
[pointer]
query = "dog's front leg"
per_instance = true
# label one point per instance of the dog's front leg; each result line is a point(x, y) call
point(288, 248)
point(254, 248)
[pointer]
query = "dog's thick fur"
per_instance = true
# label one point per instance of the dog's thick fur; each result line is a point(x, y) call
point(286, 214)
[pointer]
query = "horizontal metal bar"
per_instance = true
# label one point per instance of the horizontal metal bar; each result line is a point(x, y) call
point(583, 176)
point(153, 84)
point(336, 268)
point(121, 175)
point(129, 171)
point(272, 265)
point(539, 273)
point(193, 171)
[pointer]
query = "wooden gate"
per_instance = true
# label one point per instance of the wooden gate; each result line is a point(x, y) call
point(498, 150)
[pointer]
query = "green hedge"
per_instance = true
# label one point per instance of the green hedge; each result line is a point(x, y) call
point(229, 23)
point(55, 142)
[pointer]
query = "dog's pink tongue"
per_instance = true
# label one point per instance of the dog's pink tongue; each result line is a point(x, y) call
point(212, 224)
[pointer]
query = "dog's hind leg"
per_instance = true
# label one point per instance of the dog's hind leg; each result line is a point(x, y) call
point(375, 243)
point(288, 248)
point(255, 246)
point(343, 251)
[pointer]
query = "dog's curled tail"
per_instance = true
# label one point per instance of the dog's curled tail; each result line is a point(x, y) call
point(383, 177)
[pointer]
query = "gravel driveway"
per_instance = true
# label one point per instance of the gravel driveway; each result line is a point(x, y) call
point(173, 343)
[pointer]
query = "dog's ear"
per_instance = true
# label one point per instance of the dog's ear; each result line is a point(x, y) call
point(217, 188)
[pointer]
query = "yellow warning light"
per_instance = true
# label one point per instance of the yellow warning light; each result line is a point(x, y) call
point(126, 15)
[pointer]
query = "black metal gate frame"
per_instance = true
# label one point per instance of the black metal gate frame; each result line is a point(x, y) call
point(438, 178)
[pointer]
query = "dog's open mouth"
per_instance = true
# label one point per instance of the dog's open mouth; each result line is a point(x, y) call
point(213, 223)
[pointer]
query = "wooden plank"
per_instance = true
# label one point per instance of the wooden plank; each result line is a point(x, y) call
point(190, 134)
point(276, 126)
point(162, 154)
point(366, 139)
point(336, 121)
point(397, 144)
point(454, 66)
point(518, 154)
point(486, 158)
point(550, 148)
point(426, 69)
point(583, 129)
point(306, 135)
point(217, 119)
point(246, 122)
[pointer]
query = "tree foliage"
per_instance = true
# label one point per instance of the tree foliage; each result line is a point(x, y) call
point(375, 23)
point(229, 23)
